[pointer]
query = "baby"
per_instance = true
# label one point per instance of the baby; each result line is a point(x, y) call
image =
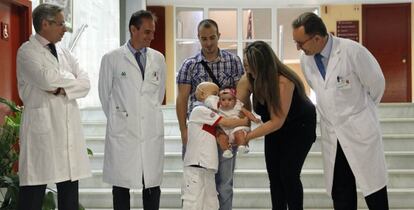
point(230, 107)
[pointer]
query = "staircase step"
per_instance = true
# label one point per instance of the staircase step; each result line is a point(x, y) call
point(248, 178)
point(255, 160)
point(96, 113)
point(404, 110)
point(388, 125)
point(392, 142)
point(179, 208)
point(243, 198)
point(385, 110)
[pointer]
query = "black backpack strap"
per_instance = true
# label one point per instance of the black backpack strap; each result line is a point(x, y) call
point(210, 73)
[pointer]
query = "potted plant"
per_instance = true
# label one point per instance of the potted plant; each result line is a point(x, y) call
point(9, 134)
point(9, 154)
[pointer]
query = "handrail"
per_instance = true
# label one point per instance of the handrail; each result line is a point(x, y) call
point(76, 36)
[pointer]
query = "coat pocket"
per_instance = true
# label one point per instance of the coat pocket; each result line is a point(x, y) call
point(365, 126)
point(151, 85)
point(118, 123)
point(40, 121)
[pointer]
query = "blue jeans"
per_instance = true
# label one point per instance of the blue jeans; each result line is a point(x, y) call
point(224, 179)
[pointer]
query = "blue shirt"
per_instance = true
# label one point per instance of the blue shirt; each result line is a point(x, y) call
point(143, 57)
point(326, 52)
point(227, 69)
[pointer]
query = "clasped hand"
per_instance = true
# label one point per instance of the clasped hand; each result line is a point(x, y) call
point(58, 91)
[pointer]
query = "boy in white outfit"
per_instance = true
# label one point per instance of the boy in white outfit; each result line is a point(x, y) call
point(201, 157)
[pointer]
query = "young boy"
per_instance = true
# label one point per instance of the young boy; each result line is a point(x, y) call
point(201, 157)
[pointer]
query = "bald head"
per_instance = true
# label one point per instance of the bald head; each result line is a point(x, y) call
point(206, 89)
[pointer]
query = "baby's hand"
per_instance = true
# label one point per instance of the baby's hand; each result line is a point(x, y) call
point(245, 120)
point(256, 120)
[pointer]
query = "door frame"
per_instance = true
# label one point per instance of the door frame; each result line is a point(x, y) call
point(26, 6)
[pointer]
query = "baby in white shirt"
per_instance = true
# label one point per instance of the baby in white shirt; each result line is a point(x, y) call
point(230, 107)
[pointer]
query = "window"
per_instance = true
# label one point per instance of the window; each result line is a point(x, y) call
point(187, 44)
point(237, 27)
point(257, 24)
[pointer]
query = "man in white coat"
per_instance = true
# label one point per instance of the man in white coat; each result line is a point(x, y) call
point(52, 145)
point(131, 90)
point(349, 84)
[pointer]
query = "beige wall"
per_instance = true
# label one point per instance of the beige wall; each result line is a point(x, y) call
point(169, 54)
point(296, 68)
point(332, 13)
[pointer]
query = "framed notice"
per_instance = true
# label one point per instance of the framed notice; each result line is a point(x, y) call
point(68, 10)
point(348, 29)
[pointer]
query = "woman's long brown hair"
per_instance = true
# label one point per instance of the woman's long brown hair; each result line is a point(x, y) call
point(267, 68)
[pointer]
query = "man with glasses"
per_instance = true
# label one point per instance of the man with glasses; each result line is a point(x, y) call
point(211, 64)
point(349, 84)
point(52, 146)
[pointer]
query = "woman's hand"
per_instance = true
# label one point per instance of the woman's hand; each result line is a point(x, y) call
point(245, 140)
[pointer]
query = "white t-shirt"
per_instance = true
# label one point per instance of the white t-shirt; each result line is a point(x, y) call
point(201, 145)
point(232, 113)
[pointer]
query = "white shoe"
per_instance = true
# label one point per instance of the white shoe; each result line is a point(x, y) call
point(243, 149)
point(227, 154)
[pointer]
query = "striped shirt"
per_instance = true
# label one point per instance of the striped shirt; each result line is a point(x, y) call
point(228, 70)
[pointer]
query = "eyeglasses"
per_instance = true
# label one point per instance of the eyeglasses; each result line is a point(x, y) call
point(61, 24)
point(300, 44)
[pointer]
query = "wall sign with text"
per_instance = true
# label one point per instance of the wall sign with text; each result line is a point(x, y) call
point(348, 29)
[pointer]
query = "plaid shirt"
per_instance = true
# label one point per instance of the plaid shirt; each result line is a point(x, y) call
point(228, 70)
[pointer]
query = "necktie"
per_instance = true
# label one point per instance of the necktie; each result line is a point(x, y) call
point(138, 58)
point(52, 48)
point(318, 59)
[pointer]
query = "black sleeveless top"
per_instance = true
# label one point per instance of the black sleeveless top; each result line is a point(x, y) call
point(301, 119)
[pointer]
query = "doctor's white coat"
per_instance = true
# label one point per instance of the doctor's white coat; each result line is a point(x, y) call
point(134, 142)
point(347, 103)
point(52, 145)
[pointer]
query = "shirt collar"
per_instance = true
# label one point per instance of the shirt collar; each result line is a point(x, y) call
point(326, 52)
point(43, 41)
point(201, 57)
point(198, 103)
point(133, 50)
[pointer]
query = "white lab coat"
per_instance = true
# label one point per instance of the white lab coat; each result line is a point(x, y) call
point(52, 145)
point(134, 142)
point(348, 112)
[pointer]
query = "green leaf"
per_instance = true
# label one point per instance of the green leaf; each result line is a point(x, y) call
point(10, 104)
point(49, 201)
point(90, 153)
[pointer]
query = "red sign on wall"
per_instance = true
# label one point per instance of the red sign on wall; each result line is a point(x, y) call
point(348, 29)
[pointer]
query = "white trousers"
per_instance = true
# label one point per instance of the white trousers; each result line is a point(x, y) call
point(199, 189)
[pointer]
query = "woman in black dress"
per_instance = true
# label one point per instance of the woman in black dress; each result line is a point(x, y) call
point(289, 121)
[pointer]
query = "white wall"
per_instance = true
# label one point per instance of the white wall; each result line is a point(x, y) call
point(101, 36)
point(131, 6)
